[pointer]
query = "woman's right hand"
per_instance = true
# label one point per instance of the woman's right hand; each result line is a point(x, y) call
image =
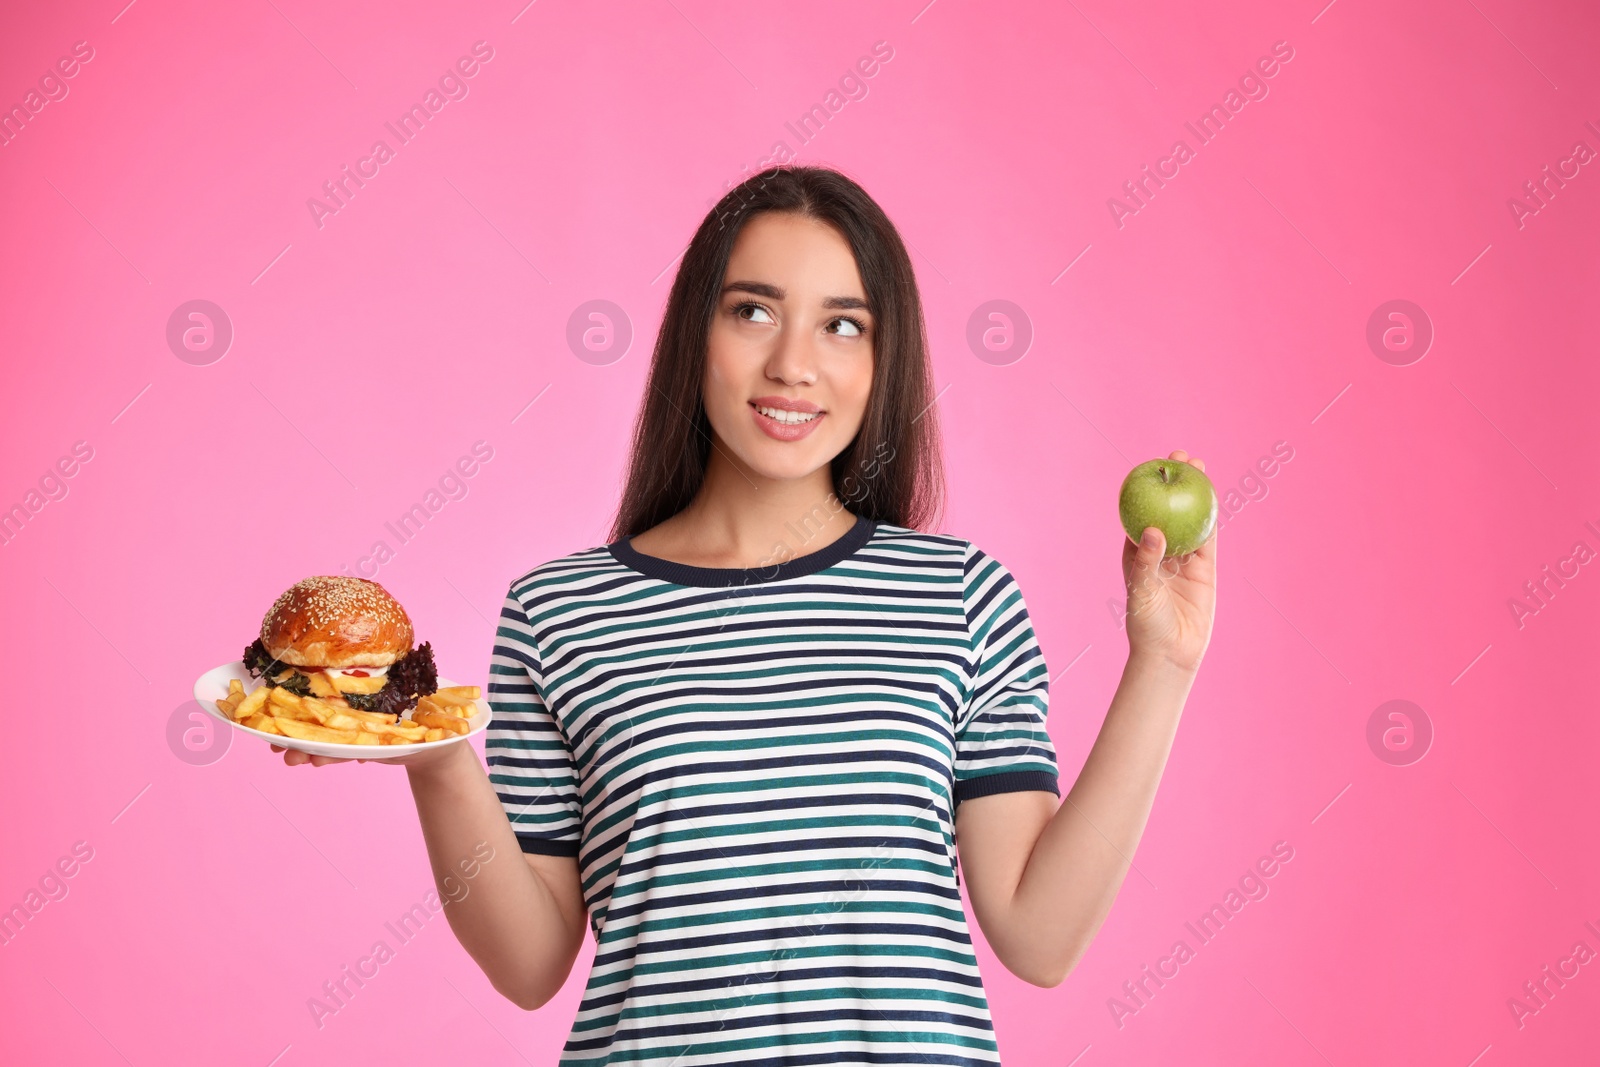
point(294, 757)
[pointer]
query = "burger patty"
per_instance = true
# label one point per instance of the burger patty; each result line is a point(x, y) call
point(409, 677)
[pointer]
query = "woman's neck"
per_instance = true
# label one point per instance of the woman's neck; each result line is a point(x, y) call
point(741, 519)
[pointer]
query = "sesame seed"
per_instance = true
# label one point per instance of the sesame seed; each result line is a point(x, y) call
point(331, 597)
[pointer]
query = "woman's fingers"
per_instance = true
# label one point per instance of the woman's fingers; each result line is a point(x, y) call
point(1144, 565)
point(1183, 457)
point(294, 757)
point(1152, 545)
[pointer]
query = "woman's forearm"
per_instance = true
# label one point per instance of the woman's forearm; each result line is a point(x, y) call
point(522, 934)
point(1078, 866)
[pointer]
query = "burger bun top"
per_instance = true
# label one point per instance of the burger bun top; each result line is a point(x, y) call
point(336, 621)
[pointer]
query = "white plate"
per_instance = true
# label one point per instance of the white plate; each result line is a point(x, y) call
point(212, 686)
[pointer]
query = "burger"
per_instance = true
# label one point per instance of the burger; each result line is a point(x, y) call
point(344, 639)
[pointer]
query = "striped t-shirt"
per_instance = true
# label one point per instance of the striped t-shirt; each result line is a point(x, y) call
point(757, 770)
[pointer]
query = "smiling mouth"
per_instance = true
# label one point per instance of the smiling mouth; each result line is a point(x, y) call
point(792, 418)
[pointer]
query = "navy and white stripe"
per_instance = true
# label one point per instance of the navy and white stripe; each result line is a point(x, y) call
point(758, 772)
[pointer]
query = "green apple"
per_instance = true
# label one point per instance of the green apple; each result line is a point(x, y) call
point(1175, 497)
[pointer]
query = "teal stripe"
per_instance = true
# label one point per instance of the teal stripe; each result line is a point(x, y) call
point(918, 685)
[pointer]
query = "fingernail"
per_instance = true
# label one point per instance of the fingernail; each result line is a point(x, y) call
point(1150, 538)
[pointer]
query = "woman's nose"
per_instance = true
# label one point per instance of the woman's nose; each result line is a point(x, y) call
point(793, 359)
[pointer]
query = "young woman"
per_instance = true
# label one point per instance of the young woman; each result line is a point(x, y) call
point(744, 741)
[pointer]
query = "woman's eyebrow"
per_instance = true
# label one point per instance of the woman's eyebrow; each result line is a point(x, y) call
point(774, 292)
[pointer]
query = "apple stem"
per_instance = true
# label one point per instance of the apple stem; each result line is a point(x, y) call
point(1164, 471)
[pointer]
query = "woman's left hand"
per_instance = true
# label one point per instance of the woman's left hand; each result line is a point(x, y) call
point(1171, 602)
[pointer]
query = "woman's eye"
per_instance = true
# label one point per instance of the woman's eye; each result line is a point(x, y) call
point(855, 327)
point(741, 308)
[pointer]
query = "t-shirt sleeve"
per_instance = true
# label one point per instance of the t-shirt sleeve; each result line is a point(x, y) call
point(1002, 745)
point(530, 762)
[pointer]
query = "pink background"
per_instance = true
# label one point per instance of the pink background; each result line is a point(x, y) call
point(1228, 314)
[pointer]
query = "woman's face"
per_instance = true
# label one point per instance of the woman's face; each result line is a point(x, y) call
point(789, 358)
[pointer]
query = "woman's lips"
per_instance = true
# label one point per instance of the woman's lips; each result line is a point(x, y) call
point(785, 431)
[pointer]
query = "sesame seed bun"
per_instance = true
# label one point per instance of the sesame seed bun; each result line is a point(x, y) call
point(334, 621)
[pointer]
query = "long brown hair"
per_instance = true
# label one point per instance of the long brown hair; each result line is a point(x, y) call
point(892, 470)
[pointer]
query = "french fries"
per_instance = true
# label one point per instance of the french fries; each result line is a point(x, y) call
point(326, 716)
point(234, 698)
point(406, 731)
point(310, 731)
point(280, 697)
point(342, 720)
point(372, 716)
point(440, 720)
point(251, 705)
point(294, 707)
point(263, 722)
point(455, 703)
